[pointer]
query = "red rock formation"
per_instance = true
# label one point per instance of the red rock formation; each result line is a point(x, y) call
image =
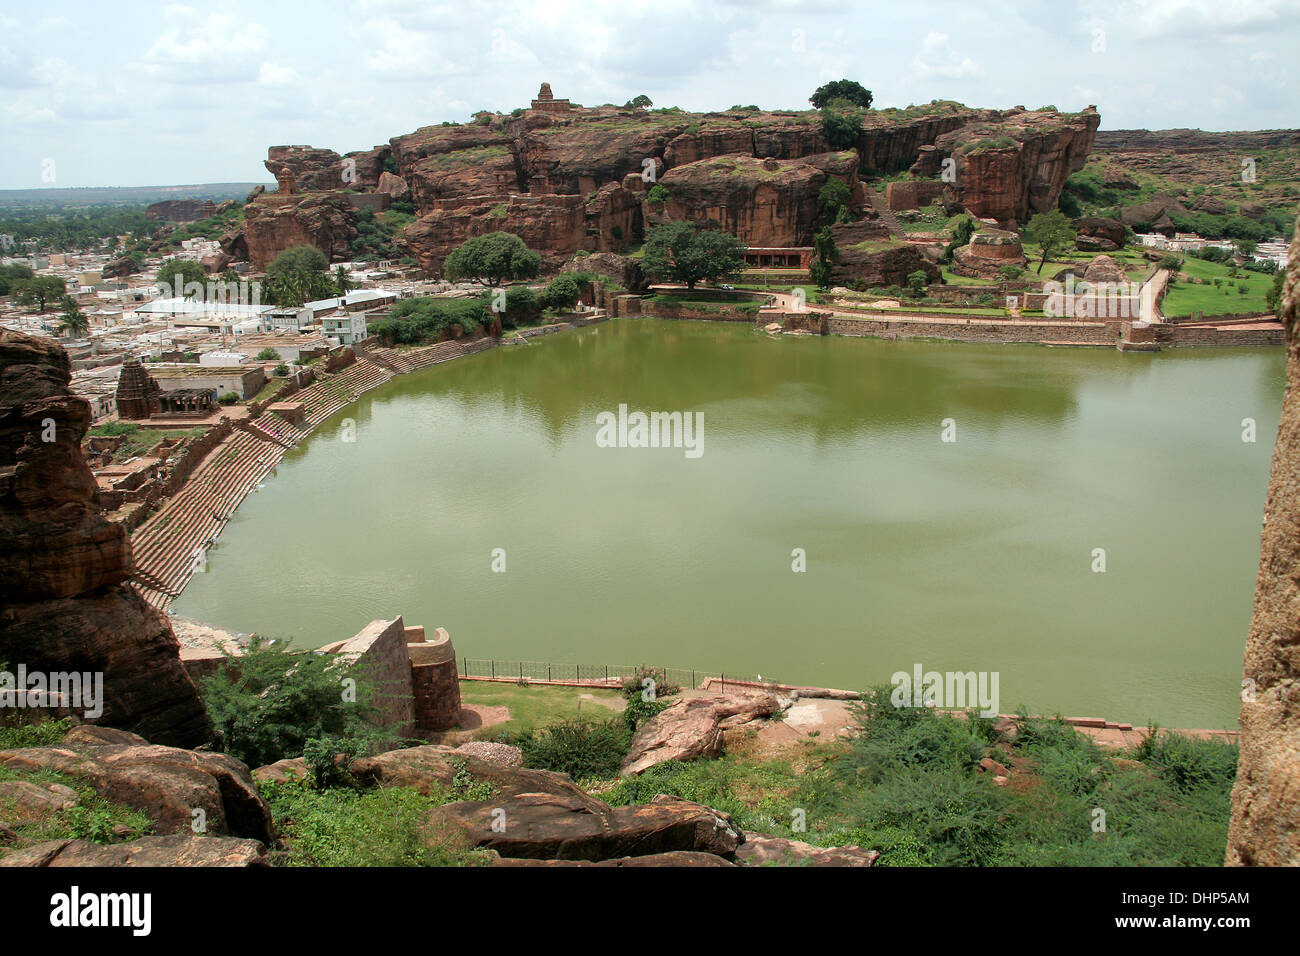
point(273, 223)
point(870, 258)
point(1265, 827)
point(180, 210)
point(988, 251)
point(62, 565)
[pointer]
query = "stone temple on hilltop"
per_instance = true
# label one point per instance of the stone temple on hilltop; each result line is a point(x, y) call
point(547, 103)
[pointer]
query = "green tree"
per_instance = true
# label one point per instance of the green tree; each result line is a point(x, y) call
point(833, 199)
point(639, 102)
point(658, 193)
point(177, 273)
point(916, 283)
point(1273, 296)
point(825, 255)
point(39, 291)
point(841, 129)
point(298, 259)
point(677, 251)
point(343, 279)
point(562, 292)
point(71, 320)
point(11, 274)
point(850, 90)
point(268, 355)
point(1052, 231)
point(492, 259)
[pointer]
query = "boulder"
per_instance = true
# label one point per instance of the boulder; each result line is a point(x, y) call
point(181, 849)
point(166, 784)
point(502, 754)
point(436, 766)
point(283, 771)
point(759, 849)
point(64, 603)
point(121, 266)
point(549, 827)
point(1104, 269)
point(254, 193)
point(28, 797)
point(394, 186)
point(1265, 824)
point(693, 728)
point(1099, 234)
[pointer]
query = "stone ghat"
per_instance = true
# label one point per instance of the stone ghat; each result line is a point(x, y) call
point(169, 547)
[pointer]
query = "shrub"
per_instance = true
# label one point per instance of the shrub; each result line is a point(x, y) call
point(584, 749)
point(281, 370)
point(268, 355)
point(267, 704)
point(658, 193)
point(230, 398)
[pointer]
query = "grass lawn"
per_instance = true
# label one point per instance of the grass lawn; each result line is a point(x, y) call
point(1185, 297)
point(538, 705)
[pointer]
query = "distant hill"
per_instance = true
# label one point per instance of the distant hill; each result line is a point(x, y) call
point(122, 195)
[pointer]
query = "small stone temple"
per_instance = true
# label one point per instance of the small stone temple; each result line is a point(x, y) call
point(547, 103)
point(138, 395)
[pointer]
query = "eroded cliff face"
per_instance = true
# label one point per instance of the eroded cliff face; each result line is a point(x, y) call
point(274, 223)
point(64, 605)
point(1265, 827)
point(522, 173)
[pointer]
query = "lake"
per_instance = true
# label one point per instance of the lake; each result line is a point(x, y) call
point(976, 554)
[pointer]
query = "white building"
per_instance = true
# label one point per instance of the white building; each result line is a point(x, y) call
point(347, 328)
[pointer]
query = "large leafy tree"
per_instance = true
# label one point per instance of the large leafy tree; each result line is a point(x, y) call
point(851, 91)
point(39, 291)
point(832, 200)
point(298, 259)
point(178, 273)
point(299, 275)
point(841, 129)
point(1052, 231)
point(492, 259)
point(677, 251)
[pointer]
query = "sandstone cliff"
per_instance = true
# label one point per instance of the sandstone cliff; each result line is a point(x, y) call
point(64, 602)
point(1265, 828)
point(273, 223)
point(572, 181)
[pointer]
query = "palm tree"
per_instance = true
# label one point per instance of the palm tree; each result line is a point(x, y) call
point(71, 321)
point(343, 279)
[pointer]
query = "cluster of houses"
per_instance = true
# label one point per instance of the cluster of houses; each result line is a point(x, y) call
point(227, 344)
point(1274, 250)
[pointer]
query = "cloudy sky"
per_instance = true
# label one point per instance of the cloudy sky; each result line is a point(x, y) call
point(99, 94)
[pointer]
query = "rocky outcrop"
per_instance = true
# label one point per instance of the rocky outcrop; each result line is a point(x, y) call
point(548, 827)
point(1265, 826)
point(274, 223)
point(166, 784)
point(317, 169)
point(759, 849)
point(180, 210)
point(870, 258)
point(119, 267)
point(1013, 167)
point(1099, 234)
point(766, 202)
point(690, 729)
point(181, 849)
point(623, 270)
point(64, 605)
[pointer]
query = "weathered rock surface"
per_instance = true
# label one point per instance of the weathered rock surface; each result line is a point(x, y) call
point(37, 798)
point(121, 266)
point(623, 270)
point(759, 849)
point(1099, 234)
point(876, 262)
point(503, 754)
point(550, 827)
point(1265, 826)
point(436, 766)
point(179, 210)
point(167, 784)
point(1104, 269)
point(693, 728)
point(273, 223)
point(181, 849)
point(63, 603)
point(316, 169)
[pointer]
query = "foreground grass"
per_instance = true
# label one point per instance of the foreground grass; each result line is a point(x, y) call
point(1186, 296)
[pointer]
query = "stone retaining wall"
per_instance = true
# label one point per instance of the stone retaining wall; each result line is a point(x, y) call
point(1079, 333)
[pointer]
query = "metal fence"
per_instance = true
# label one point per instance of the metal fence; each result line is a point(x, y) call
point(597, 674)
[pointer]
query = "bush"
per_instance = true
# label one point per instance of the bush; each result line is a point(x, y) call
point(230, 398)
point(584, 749)
point(268, 355)
point(281, 370)
point(269, 703)
point(658, 193)
point(562, 293)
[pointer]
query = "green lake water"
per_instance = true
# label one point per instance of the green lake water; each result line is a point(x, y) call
point(972, 555)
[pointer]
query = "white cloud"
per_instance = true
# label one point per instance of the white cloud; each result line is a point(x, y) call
point(276, 74)
point(938, 58)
